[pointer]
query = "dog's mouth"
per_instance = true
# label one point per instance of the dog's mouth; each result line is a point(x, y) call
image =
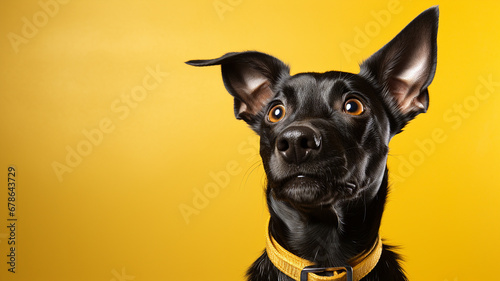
point(312, 190)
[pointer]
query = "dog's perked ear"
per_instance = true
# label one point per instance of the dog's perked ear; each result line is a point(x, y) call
point(405, 67)
point(249, 77)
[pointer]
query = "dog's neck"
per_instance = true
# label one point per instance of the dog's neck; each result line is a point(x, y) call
point(332, 235)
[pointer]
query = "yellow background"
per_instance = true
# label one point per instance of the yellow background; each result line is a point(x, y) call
point(116, 214)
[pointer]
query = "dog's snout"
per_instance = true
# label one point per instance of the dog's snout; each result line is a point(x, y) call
point(296, 144)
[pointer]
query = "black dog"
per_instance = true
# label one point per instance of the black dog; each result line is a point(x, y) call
point(324, 143)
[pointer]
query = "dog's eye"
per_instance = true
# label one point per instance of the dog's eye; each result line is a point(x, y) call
point(276, 113)
point(353, 107)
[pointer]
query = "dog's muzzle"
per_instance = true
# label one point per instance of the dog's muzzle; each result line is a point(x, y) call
point(297, 144)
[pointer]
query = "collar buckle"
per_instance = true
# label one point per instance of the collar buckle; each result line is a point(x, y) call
point(348, 270)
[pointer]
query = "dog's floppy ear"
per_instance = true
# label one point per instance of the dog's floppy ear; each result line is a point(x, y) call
point(250, 78)
point(406, 65)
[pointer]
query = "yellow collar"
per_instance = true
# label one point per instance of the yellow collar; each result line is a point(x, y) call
point(301, 269)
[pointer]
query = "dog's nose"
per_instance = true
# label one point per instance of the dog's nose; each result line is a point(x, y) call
point(295, 144)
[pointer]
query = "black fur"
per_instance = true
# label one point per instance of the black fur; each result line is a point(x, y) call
point(324, 144)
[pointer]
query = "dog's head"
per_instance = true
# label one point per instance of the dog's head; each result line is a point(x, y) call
point(324, 136)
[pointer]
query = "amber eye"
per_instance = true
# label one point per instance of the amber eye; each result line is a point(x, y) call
point(276, 113)
point(353, 107)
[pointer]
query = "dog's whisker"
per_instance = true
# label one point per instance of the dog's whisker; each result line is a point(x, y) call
point(249, 172)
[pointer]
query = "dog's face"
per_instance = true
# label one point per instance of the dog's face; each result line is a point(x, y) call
point(324, 136)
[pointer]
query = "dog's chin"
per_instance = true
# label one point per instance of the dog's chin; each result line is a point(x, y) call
point(309, 192)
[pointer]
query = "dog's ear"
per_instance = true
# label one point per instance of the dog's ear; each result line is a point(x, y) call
point(250, 78)
point(405, 66)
